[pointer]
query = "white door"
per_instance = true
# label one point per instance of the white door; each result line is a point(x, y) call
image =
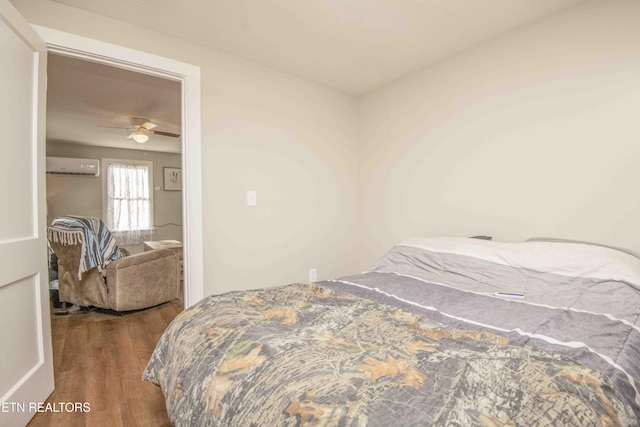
point(26, 367)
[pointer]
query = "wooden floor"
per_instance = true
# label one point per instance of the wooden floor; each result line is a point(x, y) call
point(99, 358)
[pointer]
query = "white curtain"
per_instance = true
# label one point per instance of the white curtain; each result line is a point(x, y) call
point(129, 203)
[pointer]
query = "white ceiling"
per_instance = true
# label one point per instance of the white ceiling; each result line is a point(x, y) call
point(351, 45)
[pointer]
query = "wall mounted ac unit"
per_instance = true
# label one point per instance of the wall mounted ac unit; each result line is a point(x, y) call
point(71, 166)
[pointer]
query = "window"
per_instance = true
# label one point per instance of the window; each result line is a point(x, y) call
point(127, 200)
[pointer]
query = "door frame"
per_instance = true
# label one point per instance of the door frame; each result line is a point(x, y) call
point(188, 76)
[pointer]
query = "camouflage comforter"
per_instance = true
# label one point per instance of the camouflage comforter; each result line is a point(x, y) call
point(383, 348)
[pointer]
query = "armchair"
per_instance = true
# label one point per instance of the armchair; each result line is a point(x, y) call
point(130, 283)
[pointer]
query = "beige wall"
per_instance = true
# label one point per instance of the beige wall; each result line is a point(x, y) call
point(292, 141)
point(533, 134)
point(82, 195)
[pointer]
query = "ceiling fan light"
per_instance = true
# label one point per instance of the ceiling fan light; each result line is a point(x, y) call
point(140, 138)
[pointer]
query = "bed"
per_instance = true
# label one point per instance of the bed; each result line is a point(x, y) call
point(440, 331)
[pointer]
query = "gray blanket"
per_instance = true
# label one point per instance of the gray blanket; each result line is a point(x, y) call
point(592, 321)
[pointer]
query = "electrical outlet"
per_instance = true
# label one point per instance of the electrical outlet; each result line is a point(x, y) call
point(313, 275)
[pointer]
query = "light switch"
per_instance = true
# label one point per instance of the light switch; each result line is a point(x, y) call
point(252, 198)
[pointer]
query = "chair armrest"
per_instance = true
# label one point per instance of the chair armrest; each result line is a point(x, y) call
point(140, 258)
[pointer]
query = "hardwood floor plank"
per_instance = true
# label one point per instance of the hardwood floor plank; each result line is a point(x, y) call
point(58, 335)
point(99, 358)
point(144, 342)
point(148, 401)
point(110, 417)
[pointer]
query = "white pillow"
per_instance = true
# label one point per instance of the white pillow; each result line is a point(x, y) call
point(566, 258)
point(556, 240)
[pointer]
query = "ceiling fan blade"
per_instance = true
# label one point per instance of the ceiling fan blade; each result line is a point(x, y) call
point(159, 132)
point(148, 125)
point(131, 136)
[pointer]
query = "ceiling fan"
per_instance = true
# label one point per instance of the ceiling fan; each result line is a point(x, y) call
point(142, 128)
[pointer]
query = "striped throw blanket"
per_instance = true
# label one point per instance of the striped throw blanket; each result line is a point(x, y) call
point(99, 247)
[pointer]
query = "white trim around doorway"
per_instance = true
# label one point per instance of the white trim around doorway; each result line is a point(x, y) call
point(189, 76)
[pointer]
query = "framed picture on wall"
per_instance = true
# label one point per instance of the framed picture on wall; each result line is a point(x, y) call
point(172, 179)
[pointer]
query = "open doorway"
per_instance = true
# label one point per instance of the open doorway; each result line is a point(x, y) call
point(93, 112)
point(189, 78)
point(190, 196)
point(113, 151)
